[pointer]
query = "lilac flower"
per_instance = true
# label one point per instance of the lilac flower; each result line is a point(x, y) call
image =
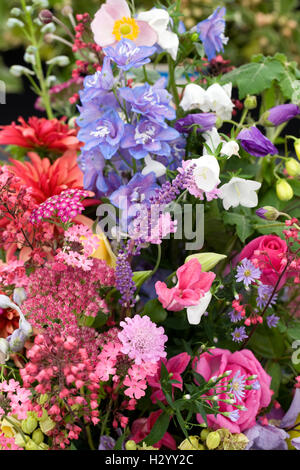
point(235, 316)
point(148, 137)
point(142, 340)
point(239, 334)
point(266, 438)
point(211, 32)
point(202, 121)
point(126, 54)
point(247, 272)
point(129, 197)
point(280, 114)
point(255, 143)
point(150, 101)
point(272, 321)
point(237, 386)
point(264, 294)
point(104, 133)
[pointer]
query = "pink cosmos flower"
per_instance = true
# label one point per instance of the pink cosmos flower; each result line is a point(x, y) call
point(192, 285)
point(175, 366)
point(217, 361)
point(113, 22)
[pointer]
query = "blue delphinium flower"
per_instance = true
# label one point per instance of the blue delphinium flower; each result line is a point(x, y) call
point(239, 334)
point(247, 272)
point(148, 137)
point(272, 321)
point(129, 197)
point(97, 86)
point(104, 133)
point(264, 293)
point(150, 101)
point(126, 54)
point(237, 386)
point(211, 32)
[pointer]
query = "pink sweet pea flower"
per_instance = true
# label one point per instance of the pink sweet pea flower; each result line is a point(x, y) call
point(113, 22)
point(175, 366)
point(192, 285)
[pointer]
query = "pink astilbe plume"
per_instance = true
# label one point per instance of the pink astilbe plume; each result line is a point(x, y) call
point(62, 365)
point(60, 293)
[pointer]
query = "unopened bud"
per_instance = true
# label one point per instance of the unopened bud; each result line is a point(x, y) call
point(195, 37)
point(297, 147)
point(46, 16)
point(204, 434)
point(268, 213)
point(284, 190)
point(250, 102)
point(292, 167)
point(67, 10)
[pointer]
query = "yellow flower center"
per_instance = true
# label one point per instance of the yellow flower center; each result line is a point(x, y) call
point(126, 28)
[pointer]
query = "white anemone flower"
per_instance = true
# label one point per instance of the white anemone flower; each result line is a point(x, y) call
point(159, 20)
point(239, 191)
point(195, 312)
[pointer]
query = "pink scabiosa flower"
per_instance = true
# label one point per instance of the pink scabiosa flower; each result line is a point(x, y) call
point(142, 340)
point(66, 206)
point(113, 22)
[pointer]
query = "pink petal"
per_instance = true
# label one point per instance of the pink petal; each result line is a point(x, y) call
point(178, 363)
point(102, 27)
point(147, 36)
point(117, 9)
point(188, 273)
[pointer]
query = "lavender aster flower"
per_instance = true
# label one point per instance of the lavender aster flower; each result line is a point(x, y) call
point(237, 386)
point(279, 114)
point(142, 340)
point(247, 272)
point(126, 54)
point(235, 316)
point(264, 294)
point(272, 321)
point(255, 143)
point(239, 334)
point(211, 32)
point(234, 415)
point(202, 121)
point(148, 137)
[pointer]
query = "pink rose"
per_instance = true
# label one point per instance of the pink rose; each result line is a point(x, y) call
point(268, 254)
point(241, 363)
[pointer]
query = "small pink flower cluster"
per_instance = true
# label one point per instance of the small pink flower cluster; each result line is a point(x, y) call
point(80, 243)
point(59, 292)
point(14, 399)
point(151, 227)
point(8, 443)
point(13, 273)
point(65, 205)
point(62, 365)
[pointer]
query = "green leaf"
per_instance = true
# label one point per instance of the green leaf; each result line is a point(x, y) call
point(267, 342)
point(294, 331)
point(159, 429)
point(139, 277)
point(155, 311)
point(255, 77)
point(201, 410)
point(100, 320)
point(243, 225)
point(120, 440)
point(274, 370)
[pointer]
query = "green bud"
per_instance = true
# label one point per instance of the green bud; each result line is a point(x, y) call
point(16, 12)
point(60, 60)
point(18, 70)
point(219, 123)
point(292, 167)
point(12, 22)
point(207, 260)
point(284, 190)
point(297, 148)
point(204, 434)
point(130, 445)
point(29, 425)
point(268, 213)
point(195, 37)
point(213, 440)
point(250, 102)
point(37, 436)
point(139, 277)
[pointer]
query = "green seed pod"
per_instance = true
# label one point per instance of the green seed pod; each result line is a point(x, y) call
point(130, 445)
point(29, 425)
point(213, 440)
point(292, 167)
point(37, 436)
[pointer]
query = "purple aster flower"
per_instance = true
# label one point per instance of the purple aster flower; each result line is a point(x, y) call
point(237, 386)
point(264, 294)
point(211, 32)
point(239, 334)
point(280, 114)
point(148, 137)
point(126, 54)
point(255, 143)
point(151, 101)
point(266, 438)
point(104, 133)
point(272, 321)
point(234, 415)
point(255, 385)
point(202, 121)
point(235, 316)
point(142, 340)
point(247, 272)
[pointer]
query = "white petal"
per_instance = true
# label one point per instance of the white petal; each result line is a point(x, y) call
point(194, 97)
point(230, 148)
point(195, 312)
point(169, 42)
point(152, 165)
point(212, 138)
point(157, 18)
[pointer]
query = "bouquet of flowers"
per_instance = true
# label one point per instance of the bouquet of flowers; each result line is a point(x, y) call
point(149, 240)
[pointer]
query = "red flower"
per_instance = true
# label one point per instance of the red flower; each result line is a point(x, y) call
point(40, 133)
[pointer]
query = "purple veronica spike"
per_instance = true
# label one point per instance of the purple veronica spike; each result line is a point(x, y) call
point(281, 113)
point(203, 121)
point(255, 143)
point(211, 32)
point(126, 54)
